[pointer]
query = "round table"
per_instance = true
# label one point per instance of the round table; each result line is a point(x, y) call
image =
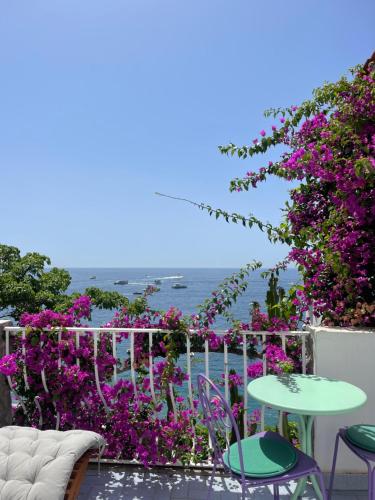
point(306, 396)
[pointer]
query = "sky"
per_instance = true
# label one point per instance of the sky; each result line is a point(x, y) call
point(104, 103)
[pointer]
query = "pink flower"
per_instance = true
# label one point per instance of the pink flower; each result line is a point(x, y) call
point(262, 133)
point(8, 365)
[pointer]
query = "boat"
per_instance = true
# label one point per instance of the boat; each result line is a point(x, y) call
point(177, 277)
point(92, 277)
point(137, 293)
point(121, 282)
point(157, 282)
point(178, 285)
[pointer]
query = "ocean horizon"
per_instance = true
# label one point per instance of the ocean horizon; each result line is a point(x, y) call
point(200, 282)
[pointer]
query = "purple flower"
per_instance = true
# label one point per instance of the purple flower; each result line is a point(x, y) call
point(8, 365)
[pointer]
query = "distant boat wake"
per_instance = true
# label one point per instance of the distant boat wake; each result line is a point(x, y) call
point(171, 277)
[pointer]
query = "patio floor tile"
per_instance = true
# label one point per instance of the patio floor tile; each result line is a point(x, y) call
point(134, 483)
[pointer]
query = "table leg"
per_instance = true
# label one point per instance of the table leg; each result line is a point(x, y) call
point(305, 432)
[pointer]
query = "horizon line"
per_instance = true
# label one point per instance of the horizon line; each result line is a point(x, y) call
point(160, 267)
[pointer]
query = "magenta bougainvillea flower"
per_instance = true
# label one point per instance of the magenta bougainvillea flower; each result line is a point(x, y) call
point(8, 365)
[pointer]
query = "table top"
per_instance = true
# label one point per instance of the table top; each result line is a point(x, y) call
point(307, 394)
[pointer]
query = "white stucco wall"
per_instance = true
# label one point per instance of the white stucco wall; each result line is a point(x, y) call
point(346, 354)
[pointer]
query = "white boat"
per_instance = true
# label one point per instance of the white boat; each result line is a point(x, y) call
point(121, 282)
point(92, 277)
point(178, 285)
point(157, 282)
point(177, 277)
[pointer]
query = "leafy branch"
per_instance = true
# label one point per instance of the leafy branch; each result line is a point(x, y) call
point(225, 295)
point(274, 233)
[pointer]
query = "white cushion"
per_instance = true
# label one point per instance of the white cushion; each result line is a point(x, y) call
point(36, 465)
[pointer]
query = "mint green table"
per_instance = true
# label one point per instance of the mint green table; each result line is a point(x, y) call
point(306, 396)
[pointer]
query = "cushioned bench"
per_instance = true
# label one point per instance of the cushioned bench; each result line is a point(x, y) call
point(44, 465)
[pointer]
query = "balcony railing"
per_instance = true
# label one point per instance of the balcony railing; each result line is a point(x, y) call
point(124, 354)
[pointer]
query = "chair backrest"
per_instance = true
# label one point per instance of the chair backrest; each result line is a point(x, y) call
point(220, 421)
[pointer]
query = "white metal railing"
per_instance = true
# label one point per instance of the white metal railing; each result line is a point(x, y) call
point(76, 332)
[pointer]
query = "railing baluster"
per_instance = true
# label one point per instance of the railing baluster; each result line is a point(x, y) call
point(188, 367)
point(6, 342)
point(43, 373)
point(303, 353)
point(114, 354)
point(96, 371)
point(27, 386)
point(10, 383)
point(207, 373)
point(263, 408)
point(283, 341)
point(226, 372)
point(77, 347)
point(132, 370)
point(173, 401)
point(59, 349)
point(151, 367)
point(262, 412)
point(264, 359)
point(283, 346)
point(206, 365)
point(226, 387)
point(24, 356)
point(245, 410)
point(190, 385)
point(8, 377)
point(59, 367)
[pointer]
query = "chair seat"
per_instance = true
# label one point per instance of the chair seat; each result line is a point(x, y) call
point(362, 436)
point(263, 456)
point(37, 465)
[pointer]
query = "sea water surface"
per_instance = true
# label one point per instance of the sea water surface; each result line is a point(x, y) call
point(200, 284)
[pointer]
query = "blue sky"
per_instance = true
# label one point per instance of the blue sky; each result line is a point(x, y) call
point(104, 103)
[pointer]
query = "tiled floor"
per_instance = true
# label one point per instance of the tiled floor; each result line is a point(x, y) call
point(132, 483)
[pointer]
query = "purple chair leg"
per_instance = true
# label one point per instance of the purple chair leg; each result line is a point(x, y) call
point(371, 471)
point(276, 494)
point(332, 477)
point(371, 482)
point(319, 476)
point(211, 482)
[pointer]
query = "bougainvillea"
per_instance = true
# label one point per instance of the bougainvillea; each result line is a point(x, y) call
point(52, 371)
point(330, 219)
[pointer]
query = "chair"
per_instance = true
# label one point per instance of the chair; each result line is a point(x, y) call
point(360, 439)
point(44, 465)
point(265, 458)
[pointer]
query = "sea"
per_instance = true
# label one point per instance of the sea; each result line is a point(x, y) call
point(200, 283)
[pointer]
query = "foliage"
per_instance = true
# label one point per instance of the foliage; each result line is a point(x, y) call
point(146, 418)
point(26, 285)
point(330, 218)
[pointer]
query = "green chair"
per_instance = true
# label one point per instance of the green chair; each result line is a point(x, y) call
point(360, 439)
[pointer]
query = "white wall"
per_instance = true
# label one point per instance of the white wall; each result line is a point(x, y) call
point(345, 354)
